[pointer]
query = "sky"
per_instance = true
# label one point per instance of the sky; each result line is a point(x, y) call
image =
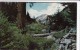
point(43, 8)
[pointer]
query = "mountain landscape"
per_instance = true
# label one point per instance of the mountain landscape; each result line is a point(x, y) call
point(38, 26)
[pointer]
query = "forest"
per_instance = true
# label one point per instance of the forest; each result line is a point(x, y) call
point(18, 31)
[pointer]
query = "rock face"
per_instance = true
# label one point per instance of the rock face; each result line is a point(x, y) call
point(42, 18)
point(68, 42)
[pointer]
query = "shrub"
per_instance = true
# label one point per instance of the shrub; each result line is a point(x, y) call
point(8, 32)
point(43, 43)
point(35, 28)
point(5, 33)
point(61, 33)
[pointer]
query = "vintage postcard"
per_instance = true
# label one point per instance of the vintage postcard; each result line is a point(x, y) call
point(38, 25)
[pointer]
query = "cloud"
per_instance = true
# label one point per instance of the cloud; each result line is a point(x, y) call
point(33, 12)
point(51, 9)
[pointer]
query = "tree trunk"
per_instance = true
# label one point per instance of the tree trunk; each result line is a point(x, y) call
point(21, 15)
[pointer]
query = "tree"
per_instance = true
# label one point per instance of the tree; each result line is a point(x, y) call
point(21, 7)
point(10, 10)
point(73, 9)
point(16, 12)
point(65, 18)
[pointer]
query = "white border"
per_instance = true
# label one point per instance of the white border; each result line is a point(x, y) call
point(39, 0)
point(78, 25)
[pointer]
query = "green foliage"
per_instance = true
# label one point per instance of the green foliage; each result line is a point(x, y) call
point(63, 19)
point(54, 46)
point(43, 43)
point(35, 28)
point(61, 33)
point(5, 34)
point(11, 36)
point(26, 41)
point(66, 14)
point(21, 41)
point(7, 30)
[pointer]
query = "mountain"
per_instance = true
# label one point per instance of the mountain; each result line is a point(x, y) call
point(42, 18)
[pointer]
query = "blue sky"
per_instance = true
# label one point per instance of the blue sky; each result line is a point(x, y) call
point(38, 6)
point(43, 8)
